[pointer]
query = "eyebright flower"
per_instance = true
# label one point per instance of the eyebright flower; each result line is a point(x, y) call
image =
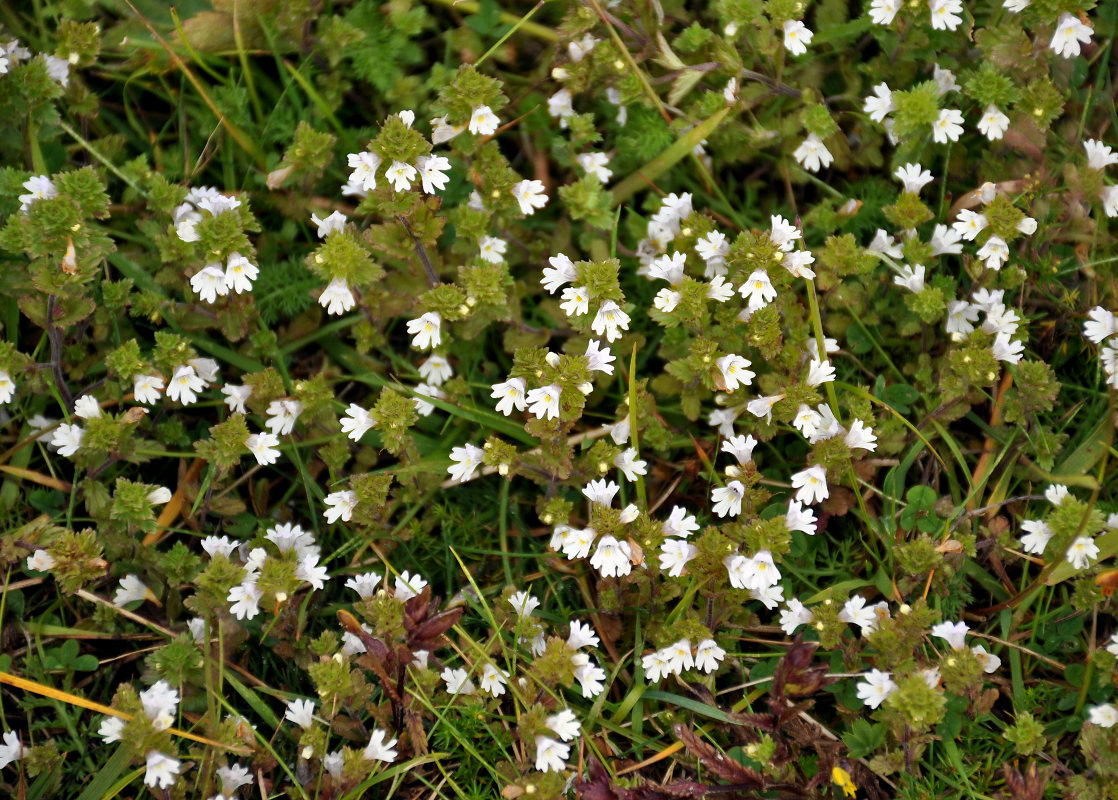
point(1068, 35)
point(264, 447)
point(131, 589)
point(598, 358)
point(954, 633)
point(612, 558)
point(161, 770)
point(530, 196)
point(145, 388)
point(969, 224)
point(630, 465)
point(576, 301)
point(282, 415)
point(794, 615)
point(39, 187)
point(492, 249)
point(400, 175)
point(882, 12)
point(185, 383)
point(994, 253)
point(875, 688)
point(378, 749)
point(601, 492)
point(1082, 551)
point(735, 372)
point(457, 681)
point(551, 756)
point(561, 272)
point(493, 680)
point(334, 223)
point(913, 177)
point(758, 290)
point(796, 37)
point(1099, 155)
point(610, 320)
point(240, 273)
point(407, 586)
point(432, 172)
point(209, 282)
point(727, 499)
point(595, 164)
point(466, 460)
point(510, 395)
point(340, 505)
point(1104, 715)
point(945, 14)
point(67, 438)
point(245, 599)
point(301, 712)
point(860, 436)
point(483, 122)
point(674, 555)
point(543, 402)
point(812, 153)
point(427, 330)
point(337, 298)
point(812, 485)
point(880, 104)
point(993, 123)
point(949, 123)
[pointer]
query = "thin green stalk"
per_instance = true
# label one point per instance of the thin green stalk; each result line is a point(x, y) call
point(519, 24)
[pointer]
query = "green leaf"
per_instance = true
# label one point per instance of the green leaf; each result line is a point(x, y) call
point(864, 738)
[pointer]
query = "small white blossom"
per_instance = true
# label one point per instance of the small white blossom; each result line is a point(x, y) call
point(530, 196)
point(466, 460)
point(993, 124)
point(337, 297)
point(949, 123)
point(483, 122)
point(426, 330)
point(812, 153)
point(1068, 36)
point(796, 37)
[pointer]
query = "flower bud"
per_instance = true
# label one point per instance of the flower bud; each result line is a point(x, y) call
point(552, 359)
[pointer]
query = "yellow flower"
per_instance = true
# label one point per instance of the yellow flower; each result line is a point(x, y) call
point(842, 779)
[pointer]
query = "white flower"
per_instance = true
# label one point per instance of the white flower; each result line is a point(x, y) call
point(945, 14)
point(579, 48)
point(436, 370)
point(483, 122)
point(679, 523)
point(423, 390)
point(457, 681)
point(282, 415)
point(400, 175)
point(543, 403)
point(812, 153)
point(492, 249)
point(949, 123)
point(674, 555)
point(882, 12)
point(612, 558)
point(945, 241)
point(989, 661)
point(209, 282)
point(564, 725)
point(407, 586)
point(442, 132)
point(601, 492)
point(880, 104)
point(364, 584)
point(364, 170)
point(264, 447)
point(233, 778)
point(913, 177)
point(610, 320)
point(39, 187)
point(161, 770)
point(1056, 493)
point(719, 291)
point(994, 253)
point(561, 272)
point(551, 756)
point(145, 388)
point(875, 688)
point(337, 297)
point(595, 164)
point(812, 485)
point(708, 655)
point(130, 590)
point(630, 465)
point(763, 406)
point(110, 731)
point(807, 421)
point(668, 267)
point(432, 172)
point(40, 561)
point(581, 635)
point(860, 436)
point(1082, 551)
point(160, 703)
point(576, 301)
point(206, 368)
point(1099, 155)
point(427, 330)
point(530, 196)
point(240, 273)
point(735, 372)
point(799, 519)
point(1105, 715)
point(758, 290)
point(954, 633)
point(1101, 325)
point(340, 505)
point(1109, 197)
point(794, 615)
point(819, 372)
point(1006, 349)
point(590, 676)
point(783, 233)
point(523, 603)
point(796, 37)
point(1016, 6)
point(740, 447)
point(184, 385)
point(945, 80)
point(666, 300)
point(993, 123)
point(87, 407)
point(560, 105)
point(493, 680)
point(245, 599)
point(378, 749)
point(655, 666)
point(1068, 35)
point(969, 224)
point(310, 572)
point(1037, 537)
point(727, 499)
point(334, 223)
point(598, 358)
point(796, 263)
point(466, 460)
point(510, 395)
